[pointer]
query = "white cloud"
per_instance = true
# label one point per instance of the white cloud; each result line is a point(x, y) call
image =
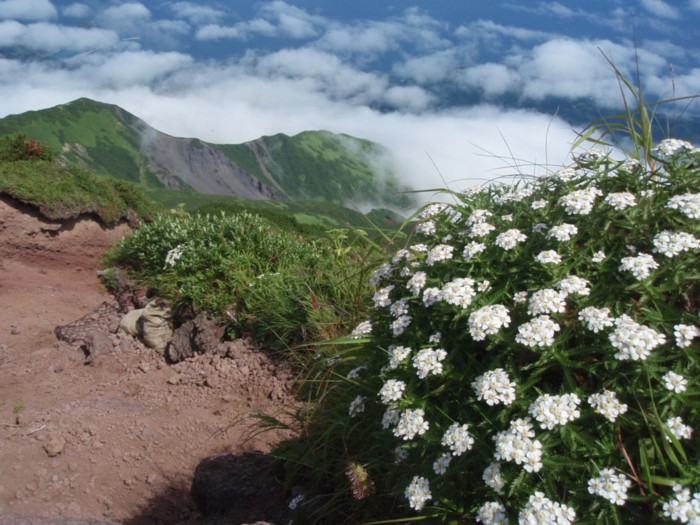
point(76, 10)
point(276, 19)
point(27, 9)
point(492, 79)
point(661, 9)
point(430, 68)
point(51, 38)
point(482, 27)
point(196, 13)
point(694, 4)
point(125, 17)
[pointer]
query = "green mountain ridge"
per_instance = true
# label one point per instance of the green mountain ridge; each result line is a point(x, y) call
point(313, 165)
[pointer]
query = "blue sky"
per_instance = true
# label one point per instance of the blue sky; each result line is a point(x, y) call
point(462, 85)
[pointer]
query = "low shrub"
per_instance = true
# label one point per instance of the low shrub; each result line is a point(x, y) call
point(271, 283)
point(531, 357)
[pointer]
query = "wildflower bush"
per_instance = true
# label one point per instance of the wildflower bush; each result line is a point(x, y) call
point(531, 357)
point(265, 281)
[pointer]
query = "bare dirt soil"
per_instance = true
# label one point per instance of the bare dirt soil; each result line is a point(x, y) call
point(117, 440)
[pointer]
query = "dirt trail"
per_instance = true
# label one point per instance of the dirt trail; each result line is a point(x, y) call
point(117, 440)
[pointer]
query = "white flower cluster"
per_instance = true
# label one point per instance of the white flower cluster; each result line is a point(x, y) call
point(562, 232)
point(621, 200)
point(431, 296)
point(472, 249)
point(427, 228)
point(481, 229)
point(548, 257)
point(381, 297)
point(392, 390)
point(509, 239)
point(547, 301)
point(356, 372)
point(574, 285)
point(459, 292)
point(400, 324)
point(678, 428)
point(688, 204)
point(441, 464)
point(494, 387)
point(458, 439)
point(416, 283)
point(418, 492)
point(633, 340)
point(397, 355)
point(541, 510)
point(640, 266)
point(682, 507)
point(610, 486)
point(478, 216)
point(520, 297)
point(538, 332)
point(551, 410)
point(429, 361)
point(596, 319)
point(607, 405)
point(492, 513)
point(514, 195)
point(400, 455)
point(565, 174)
point(598, 256)
point(173, 256)
point(670, 148)
point(675, 382)
point(670, 243)
point(399, 308)
point(432, 210)
point(488, 321)
point(411, 424)
point(539, 204)
point(357, 406)
point(580, 202)
point(364, 328)
point(441, 252)
point(684, 334)
point(590, 156)
point(384, 271)
point(493, 478)
point(517, 444)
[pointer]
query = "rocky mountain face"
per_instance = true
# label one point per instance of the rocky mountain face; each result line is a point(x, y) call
point(313, 165)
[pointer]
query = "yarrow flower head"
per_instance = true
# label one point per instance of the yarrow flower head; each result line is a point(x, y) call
point(357, 406)
point(541, 510)
point(493, 478)
point(678, 428)
point(607, 405)
point(392, 390)
point(675, 382)
point(538, 332)
point(459, 292)
point(610, 486)
point(364, 328)
point(633, 340)
point(492, 513)
point(458, 439)
point(574, 285)
point(418, 492)
point(427, 228)
point(488, 321)
point(517, 445)
point(684, 334)
point(671, 148)
point(441, 252)
point(397, 355)
point(442, 463)
point(416, 283)
point(548, 257)
point(688, 204)
point(596, 319)
point(494, 387)
point(173, 256)
point(682, 507)
point(547, 301)
point(411, 423)
point(381, 298)
point(551, 411)
point(640, 266)
point(562, 232)
point(472, 249)
point(580, 202)
point(670, 243)
point(621, 200)
point(429, 362)
point(432, 210)
point(510, 239)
